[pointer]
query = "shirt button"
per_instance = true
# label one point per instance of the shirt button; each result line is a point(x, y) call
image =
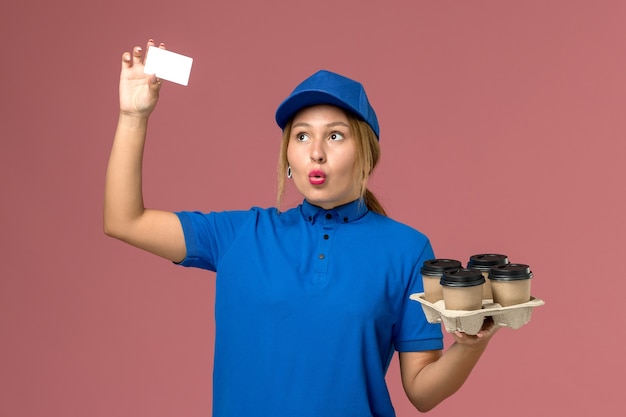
point(325, 237)
point(329, 216)
point(322, 256)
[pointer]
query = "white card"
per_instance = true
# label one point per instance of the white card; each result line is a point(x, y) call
point(168, 65)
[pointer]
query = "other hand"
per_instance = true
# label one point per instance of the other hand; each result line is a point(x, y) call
point(488, 329)
point(139, 92)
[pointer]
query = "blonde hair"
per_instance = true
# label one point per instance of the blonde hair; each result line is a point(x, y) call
point(366, 159)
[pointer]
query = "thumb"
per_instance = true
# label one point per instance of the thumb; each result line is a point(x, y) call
point(154, 82)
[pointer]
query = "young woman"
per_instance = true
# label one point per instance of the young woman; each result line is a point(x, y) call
point(311, 302)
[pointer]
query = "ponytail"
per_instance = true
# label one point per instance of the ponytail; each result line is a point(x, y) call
point(372, 203)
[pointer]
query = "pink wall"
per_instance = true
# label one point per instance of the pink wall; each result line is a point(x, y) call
point(502, 130)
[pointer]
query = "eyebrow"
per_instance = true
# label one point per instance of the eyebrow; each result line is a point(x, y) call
point(333, 124)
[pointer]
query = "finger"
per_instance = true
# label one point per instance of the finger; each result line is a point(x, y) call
point(467, 339)
point(126, 60)
point(489, 331)
point(137, 55)
point(155, 81)
point(152, 43)
point(148, 45)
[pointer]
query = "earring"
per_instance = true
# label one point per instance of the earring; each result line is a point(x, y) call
point(289, 171)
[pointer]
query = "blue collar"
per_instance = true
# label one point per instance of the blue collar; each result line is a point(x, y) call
point(344, 214)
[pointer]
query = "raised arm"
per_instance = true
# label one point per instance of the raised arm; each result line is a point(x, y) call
point(125, 216)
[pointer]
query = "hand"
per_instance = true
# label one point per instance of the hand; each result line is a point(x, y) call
point(488, 329)
point(139, 92)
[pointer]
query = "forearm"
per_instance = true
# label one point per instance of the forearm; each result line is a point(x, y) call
point(441, 378)
point(123, 197)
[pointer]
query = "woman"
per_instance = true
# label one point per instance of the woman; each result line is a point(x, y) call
point(312, 302)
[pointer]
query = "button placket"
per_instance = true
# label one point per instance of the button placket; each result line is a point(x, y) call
point(328, 227)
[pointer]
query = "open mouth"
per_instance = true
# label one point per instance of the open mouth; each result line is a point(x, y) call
point(317, 177)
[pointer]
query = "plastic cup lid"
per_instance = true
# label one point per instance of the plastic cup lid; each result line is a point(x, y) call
point(487, 260)
point(463, 277)
point(436, 267)
point(510, 272)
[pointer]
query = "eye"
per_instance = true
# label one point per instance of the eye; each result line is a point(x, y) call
point(336, 136)
point(302, 137)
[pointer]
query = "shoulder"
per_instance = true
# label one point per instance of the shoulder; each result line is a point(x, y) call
point(388, 225)
point(385, 236)
point(235, 218)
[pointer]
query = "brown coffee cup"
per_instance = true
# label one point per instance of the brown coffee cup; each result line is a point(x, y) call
point(432, 271)
point(462, 289)
point(510, 284)
point(484, 262)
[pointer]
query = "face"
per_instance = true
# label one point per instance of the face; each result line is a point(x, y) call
point(321, 153)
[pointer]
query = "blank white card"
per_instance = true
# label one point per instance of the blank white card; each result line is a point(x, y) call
point(168, 65)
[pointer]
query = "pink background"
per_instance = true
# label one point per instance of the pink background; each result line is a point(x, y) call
point(502, 131)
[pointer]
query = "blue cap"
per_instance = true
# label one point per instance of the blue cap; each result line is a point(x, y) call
point(325, 87)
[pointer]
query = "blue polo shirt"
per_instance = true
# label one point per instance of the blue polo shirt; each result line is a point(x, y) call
point(310, 305)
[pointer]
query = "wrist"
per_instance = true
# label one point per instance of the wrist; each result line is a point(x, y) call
point(133, 120)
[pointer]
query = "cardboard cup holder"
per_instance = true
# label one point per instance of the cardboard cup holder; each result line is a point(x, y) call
point(470, 322)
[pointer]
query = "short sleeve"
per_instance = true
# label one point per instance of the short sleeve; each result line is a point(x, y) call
point(208, 235)
point(414, 332)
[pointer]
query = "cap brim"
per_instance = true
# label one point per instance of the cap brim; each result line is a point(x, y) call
point(296, 102)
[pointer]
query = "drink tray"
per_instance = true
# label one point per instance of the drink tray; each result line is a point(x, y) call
point(470, 322)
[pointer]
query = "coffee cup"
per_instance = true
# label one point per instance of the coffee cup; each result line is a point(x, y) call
point(462, 289)
point(484, 262)
point(510, 284)
point(432, 271)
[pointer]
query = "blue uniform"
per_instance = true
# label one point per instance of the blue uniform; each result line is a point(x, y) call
point(310, 305)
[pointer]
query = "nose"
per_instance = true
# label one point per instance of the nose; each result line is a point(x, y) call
point(318, 153)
